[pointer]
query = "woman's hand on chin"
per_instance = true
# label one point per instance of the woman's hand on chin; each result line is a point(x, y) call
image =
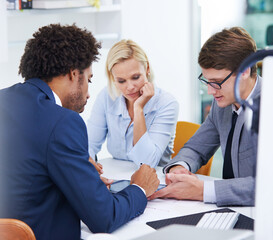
point(146, 93)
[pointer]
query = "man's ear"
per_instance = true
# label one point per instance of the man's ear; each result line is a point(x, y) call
point(73, 74)
point(246, 73)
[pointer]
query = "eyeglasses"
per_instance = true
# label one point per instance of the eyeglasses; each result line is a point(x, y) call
point(215, 85)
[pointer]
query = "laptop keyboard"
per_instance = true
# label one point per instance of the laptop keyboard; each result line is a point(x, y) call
point(222, 221)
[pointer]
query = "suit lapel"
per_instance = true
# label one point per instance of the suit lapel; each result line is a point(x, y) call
point(238, 130)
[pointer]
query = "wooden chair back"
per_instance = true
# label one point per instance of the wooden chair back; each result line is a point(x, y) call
point(13, 229)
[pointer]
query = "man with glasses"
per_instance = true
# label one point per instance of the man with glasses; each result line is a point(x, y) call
point(219, 60)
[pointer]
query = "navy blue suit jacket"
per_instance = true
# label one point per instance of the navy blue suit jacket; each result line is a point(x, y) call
point(46, 179)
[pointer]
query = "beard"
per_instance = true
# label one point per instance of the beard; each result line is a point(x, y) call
point(75, 100)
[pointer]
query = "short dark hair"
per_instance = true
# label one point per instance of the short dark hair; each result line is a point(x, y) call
point(54, 50)
point(227, 49)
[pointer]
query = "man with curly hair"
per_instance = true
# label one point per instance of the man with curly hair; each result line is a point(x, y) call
point(46, 179)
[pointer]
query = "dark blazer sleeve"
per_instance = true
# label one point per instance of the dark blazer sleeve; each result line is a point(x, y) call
point(69, 168)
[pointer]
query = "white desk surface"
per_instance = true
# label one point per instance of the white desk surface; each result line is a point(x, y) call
point(156, 209)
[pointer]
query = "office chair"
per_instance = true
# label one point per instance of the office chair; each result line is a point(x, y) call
point(13, 229)
point(184, 131)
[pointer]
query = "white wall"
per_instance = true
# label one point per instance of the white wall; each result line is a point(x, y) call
point(217, 14)
point(3, 29)
point(165, 30)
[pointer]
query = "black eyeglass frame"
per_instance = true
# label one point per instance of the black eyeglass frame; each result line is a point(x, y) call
point(214, 84)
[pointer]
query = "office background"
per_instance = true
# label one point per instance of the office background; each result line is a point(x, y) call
point(171, 32)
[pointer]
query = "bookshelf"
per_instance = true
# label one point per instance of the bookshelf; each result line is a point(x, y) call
point(104, 8)
point(104, 23)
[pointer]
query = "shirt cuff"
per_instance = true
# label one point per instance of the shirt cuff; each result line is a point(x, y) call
point(140, 188)
point(143, 151)
point(92, 154)
point(182, 163)
point(209, 194)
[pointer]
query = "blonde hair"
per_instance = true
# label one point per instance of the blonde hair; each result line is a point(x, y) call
point(121, 51)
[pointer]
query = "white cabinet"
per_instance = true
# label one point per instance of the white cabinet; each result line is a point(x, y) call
point(104, 23)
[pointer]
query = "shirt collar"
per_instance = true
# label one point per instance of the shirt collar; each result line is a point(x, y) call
point(57, 99)
point(249, 96)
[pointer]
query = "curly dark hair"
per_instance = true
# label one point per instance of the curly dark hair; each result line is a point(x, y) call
point(54, 50)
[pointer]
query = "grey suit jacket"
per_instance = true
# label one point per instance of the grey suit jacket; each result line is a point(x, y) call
point(214, 133)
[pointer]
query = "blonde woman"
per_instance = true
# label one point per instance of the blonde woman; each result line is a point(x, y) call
point(137, 119)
